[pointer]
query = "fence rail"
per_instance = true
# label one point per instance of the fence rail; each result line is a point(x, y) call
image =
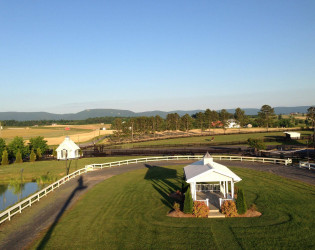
point(17, 208)
point(307, 165)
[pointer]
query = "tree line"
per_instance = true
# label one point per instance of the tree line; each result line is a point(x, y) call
point(210, 119)
point(17, 151)
point(14, 123)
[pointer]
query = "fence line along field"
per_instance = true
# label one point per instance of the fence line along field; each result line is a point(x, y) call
point(55, 134)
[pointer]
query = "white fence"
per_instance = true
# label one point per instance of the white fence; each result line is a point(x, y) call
point(308, 165)
point(222, 200)
point(206, 201)
point(17, 208)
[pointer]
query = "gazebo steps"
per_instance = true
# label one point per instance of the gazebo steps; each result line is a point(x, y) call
point(215, 215)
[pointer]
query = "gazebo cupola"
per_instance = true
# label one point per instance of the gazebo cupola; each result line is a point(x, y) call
point(207, 159)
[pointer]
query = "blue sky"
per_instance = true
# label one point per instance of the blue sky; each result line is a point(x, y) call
point(66, 56)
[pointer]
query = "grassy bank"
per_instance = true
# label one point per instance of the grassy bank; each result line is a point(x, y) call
point(32, 171)
point(129, 212)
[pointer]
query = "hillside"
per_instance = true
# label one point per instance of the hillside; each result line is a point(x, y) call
point(92, 113)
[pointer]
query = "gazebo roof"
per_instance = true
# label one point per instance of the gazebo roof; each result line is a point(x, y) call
point(206, 169)
point(67, 144)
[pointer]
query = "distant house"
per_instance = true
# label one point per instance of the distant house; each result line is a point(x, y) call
point(292, 135)
point(68, 150)
point(249, 126)
point(231, 123)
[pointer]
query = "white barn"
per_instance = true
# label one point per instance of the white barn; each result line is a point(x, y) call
point(293, 135)
point(68, 150)
point(210, 181)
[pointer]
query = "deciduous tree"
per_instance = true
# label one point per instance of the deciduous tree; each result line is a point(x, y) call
point(311, 117)
point(266, 115)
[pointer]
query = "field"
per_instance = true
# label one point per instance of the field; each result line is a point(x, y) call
point(218, 139)
point(129, 211)
point(55, 134)
point(57, 169)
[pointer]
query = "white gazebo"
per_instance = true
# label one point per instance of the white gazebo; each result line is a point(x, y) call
point(206, 176)
point(68, 150)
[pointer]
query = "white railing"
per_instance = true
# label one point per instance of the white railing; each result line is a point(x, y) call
point(307, 165)
point(17, 208)
point(207, 187)
point(192, 157)
point(222, 200)
point(206, 201)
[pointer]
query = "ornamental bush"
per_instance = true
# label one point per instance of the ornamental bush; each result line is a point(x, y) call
point(32, 156)
point(18, 157)
point(176, 206)
point(39, 153)
point(5, 158)
point(229, 209)
point(240, 202)
point(188, 203)
point(200, 209)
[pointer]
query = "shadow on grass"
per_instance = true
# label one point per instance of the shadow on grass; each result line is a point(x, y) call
point(63, 209)
point(282, 140)
point(159, 176)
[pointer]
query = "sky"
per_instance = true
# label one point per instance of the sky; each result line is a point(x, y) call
point(65, 56)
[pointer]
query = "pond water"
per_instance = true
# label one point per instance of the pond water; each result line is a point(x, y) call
point(13, 193)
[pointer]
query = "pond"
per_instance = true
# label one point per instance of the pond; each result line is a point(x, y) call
point(15, 192)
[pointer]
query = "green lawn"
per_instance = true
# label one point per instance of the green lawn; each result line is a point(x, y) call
point(129, 212)
point(32, 171)
point(218, 139)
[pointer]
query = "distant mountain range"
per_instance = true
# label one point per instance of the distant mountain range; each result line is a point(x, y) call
point(92, 113)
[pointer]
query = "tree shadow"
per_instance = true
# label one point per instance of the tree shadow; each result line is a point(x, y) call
point(159, 176)
point(46, 238)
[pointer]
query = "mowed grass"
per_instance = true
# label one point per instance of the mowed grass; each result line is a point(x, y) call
point(219, 138)
point(8, 134)
point(32, 171)
point(129, 212)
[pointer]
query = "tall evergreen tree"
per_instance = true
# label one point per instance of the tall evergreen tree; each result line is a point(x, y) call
point(240, 202)
point(188, 203)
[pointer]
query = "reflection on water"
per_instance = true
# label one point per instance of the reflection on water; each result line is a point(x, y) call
point(15, 192)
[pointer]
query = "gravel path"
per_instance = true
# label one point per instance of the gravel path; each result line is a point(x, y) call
point(24, 228)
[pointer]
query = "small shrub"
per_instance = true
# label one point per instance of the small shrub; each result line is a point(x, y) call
point(18, 157)
point(229, 208)
point(240, 202)
point(176, 206)
point(5, 158)
point(200, 209)
point(39, 153)
point(188, 203)
point(253, 207)
point(32, 156)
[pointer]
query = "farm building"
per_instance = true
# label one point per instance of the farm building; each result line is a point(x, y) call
point(210, 181)
point(292, 135)
point(231, 123)
point(68, 150)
